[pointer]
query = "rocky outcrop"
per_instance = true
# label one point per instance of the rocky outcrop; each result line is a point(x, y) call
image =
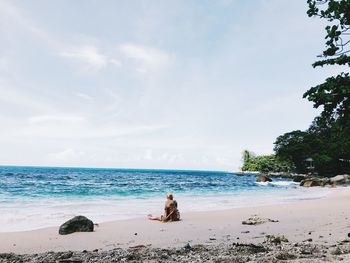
point(298, 178)
point(293, 176)
point(309, 182)
point(333, 181)
point(340, 179)
point(76, 224)
point(263, 179)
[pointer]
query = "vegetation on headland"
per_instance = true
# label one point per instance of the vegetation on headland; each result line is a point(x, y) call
point(265, 163)
point(327, 141)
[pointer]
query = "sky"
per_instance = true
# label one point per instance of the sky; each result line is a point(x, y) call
point(153, 84)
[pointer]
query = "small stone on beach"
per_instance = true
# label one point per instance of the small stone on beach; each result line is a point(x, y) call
point(255, 220)
point(275, 239)
point(187, 246)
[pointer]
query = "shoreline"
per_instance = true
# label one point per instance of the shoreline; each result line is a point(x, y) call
point(325, 220)
point(52, 213)
point(190, 204)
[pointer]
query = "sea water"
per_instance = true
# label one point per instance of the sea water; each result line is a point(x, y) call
point(38, 197)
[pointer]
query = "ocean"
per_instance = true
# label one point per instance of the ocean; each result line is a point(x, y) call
point(39, 197)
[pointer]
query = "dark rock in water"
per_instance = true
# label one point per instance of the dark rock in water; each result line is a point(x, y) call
point(310, 182)
point(298, 178)
point(76, 224)
point(263, 178)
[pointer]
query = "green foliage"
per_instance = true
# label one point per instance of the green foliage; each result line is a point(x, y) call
point(337, 12)
point(327, 141)
point(292, 146)
point(247, 156)
point(334, 93)
point(264, 163)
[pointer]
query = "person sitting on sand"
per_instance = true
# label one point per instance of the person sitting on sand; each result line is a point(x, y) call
point(171, 213)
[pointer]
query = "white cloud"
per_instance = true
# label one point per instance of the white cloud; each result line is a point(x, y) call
point(115, 62)
point(17, 95)
point(146, 58)
point(84, 96)
point(88, 55)
point(55, 118)
point(72, 127)
point(68, 154)
point(149, 154)
point(3, 64)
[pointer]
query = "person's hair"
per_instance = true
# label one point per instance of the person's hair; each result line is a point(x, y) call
point(170, 196)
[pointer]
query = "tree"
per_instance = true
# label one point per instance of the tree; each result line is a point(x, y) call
point(334, 93)
point(264, 163)
point(247, 156)
point(328, 144)
point(327, 141)
point(337, 12)
point(296, 147)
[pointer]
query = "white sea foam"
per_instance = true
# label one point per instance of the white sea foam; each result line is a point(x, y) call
point(278, 183)
point(27, 214)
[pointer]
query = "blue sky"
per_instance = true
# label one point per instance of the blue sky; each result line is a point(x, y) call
point(153, 84)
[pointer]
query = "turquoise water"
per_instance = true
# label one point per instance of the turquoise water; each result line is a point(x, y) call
point(35, 197)
point(40, 182)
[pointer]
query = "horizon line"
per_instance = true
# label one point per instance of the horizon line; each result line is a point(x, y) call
point(116, 168)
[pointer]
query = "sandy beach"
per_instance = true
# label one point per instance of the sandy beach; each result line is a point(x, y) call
point(321, 222)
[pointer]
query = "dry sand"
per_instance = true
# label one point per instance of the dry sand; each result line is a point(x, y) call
point(325, 221)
